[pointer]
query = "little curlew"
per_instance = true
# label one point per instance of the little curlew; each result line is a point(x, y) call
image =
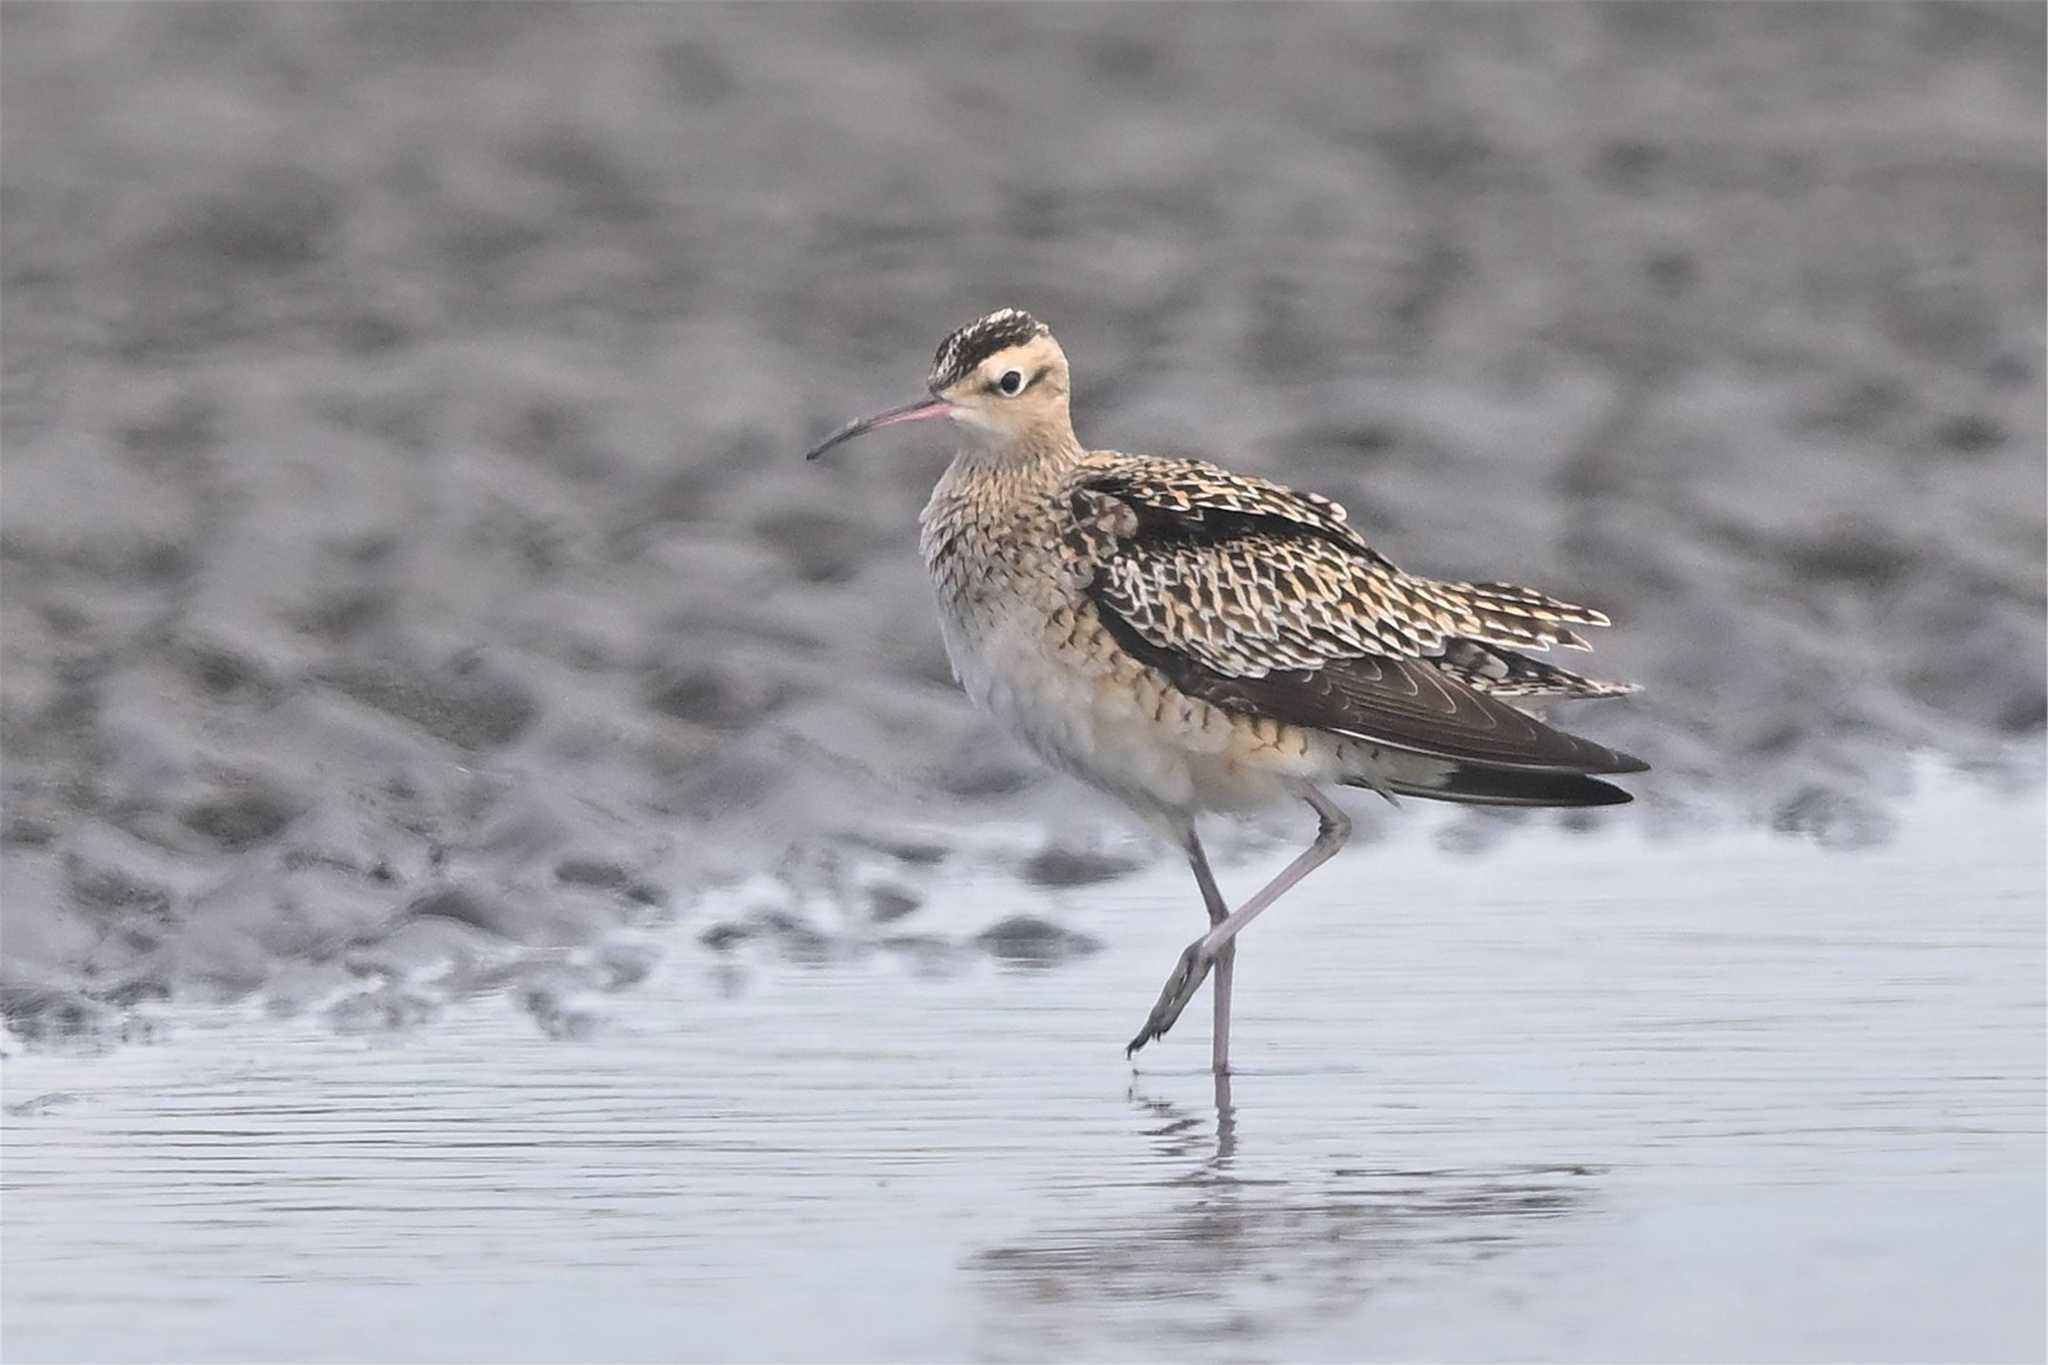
point(1191, 640)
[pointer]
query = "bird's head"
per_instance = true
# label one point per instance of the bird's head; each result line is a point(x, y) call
point(1002, 378)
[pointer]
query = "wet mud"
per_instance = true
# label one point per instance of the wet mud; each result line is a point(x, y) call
point(410, 590)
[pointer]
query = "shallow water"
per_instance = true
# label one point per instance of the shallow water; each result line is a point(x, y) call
point(1591, 1097)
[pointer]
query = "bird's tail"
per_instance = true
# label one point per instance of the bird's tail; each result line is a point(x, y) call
point(1477, 785)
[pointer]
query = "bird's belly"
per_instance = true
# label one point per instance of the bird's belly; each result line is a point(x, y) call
point(1058, 682)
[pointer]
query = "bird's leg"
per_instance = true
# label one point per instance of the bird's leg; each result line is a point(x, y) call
point(1226, 959)
point(1219, 911)
point(1334, 828)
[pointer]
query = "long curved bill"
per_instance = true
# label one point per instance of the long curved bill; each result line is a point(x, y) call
point(909, 412)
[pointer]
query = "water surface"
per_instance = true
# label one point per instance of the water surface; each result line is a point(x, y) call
point(1581, 1098)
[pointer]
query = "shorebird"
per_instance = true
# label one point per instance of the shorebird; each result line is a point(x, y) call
point(1191, 640)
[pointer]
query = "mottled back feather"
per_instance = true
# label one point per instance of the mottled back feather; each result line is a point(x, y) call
point(1265, 601)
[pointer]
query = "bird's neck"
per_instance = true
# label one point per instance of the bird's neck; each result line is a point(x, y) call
point(988, 503)
point(1030, 460)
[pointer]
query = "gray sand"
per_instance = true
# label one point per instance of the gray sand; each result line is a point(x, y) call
point(435, 699)
point(404, 549)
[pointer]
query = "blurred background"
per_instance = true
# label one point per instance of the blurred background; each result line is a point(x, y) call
point(411, 590)
point(403, 406)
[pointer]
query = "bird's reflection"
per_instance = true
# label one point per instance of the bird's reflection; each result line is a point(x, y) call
point(1247, 1239)
point(1185, 1134)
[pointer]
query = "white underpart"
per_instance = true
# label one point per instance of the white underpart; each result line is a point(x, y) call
point(1098, 732)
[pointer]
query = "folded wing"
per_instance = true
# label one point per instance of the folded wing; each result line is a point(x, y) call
point(1264, 601)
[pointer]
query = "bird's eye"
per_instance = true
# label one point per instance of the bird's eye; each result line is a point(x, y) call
point(1012, 382)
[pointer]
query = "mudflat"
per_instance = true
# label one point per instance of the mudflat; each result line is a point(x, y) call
point(404, 548)
point(493, 864)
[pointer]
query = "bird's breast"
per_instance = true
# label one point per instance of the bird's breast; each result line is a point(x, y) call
point(1029, 646)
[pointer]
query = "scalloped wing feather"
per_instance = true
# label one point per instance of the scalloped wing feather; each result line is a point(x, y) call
point(1287, 564)
point(1266, 600)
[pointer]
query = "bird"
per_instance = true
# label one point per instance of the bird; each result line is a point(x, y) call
point(1193, 641)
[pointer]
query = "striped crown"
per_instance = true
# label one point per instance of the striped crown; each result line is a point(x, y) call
point(959, 353)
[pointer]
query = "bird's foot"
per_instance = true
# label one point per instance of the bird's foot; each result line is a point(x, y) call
point(1188, 975)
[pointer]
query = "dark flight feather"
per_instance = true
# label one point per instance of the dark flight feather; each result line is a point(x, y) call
point(1471, 785)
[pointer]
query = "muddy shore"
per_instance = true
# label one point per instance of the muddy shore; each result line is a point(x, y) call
point(408, 581)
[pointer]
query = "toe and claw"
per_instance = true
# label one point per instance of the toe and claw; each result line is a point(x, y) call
point(1186, 978)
